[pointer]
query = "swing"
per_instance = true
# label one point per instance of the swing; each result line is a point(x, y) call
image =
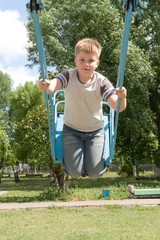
point(55, 120)
point(57, 126)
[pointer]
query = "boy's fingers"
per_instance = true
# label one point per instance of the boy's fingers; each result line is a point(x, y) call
point(121, 91)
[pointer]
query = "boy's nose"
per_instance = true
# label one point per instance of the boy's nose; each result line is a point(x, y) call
point(87, 65)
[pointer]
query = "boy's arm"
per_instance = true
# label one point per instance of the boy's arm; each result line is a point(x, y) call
point(50, 85)
point(113, 99)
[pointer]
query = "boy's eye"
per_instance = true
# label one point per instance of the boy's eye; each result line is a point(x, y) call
point(82, 60)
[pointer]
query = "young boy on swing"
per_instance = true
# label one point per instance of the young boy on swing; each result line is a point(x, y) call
point(84, 89)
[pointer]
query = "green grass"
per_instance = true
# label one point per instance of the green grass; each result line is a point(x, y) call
point(111, 222)
point(96, 223)
point(38, 189)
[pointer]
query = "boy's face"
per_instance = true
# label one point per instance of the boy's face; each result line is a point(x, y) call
point(86, 63)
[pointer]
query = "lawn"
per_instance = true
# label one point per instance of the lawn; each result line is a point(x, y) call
point(110, 223)
point(96, 223)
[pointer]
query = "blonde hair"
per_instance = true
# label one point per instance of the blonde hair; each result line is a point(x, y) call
point(88, 45)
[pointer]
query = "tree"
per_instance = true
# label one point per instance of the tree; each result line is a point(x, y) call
point(146, 34)
point(63, 24)
point(5, 92)
point(6, 155)
point(137, 141)
point(30, 138)
point(24, 99)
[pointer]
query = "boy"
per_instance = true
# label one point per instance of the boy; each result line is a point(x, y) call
point(84, 89)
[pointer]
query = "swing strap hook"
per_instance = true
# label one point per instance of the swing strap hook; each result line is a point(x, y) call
point(33, 5)
point(127, 4)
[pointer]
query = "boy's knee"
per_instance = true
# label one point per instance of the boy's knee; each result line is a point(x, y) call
point(73, 174)
point(95, 174)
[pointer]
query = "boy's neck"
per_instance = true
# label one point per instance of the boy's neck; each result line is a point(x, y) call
point(85, 78)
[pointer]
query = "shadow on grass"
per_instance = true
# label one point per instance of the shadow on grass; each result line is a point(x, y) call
point(38, 189)
point(24, 184)
point(19, 199)
point(114, 182)
point(40, 184)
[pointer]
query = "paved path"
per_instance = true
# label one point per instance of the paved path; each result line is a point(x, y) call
point(97, 203)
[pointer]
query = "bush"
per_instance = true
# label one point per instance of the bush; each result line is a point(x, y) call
point(54, 194)
point(125, 167)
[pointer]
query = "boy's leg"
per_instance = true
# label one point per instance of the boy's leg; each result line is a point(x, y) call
point(94, 163)
point(73, 152)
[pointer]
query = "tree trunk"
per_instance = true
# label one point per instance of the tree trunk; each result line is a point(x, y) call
point(154, 103)
point(134, 171)
point(157, 163)
point(0, 175)
point(157, 171)
point(58, 177)
point(16, 176)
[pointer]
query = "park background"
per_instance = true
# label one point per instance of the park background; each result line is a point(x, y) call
point(23, 119)
point(24, 138)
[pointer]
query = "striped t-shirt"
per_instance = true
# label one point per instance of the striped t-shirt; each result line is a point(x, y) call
point(83, 102)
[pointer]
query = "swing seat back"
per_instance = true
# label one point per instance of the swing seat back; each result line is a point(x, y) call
point(58, 139)
point(106, 142)
point(57, 127)
point(109, 134)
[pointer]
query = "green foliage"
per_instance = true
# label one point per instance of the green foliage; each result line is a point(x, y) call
point(6, 154)
point(146, 34)
point(24, 99)
point(35, 138)
point(30, 136)
point(125, 166)
point(137, 141)
point(5, 90)
point(63, 24)
point(55, 194)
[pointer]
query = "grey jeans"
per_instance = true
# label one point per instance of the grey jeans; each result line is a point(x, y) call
point(83, 152)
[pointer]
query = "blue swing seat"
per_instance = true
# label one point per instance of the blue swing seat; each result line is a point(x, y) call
point(57, 126)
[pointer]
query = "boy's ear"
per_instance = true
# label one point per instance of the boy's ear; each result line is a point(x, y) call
point(98, 62)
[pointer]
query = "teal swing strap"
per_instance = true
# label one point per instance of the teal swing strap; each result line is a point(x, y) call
point(129, 6)
point(34, 6)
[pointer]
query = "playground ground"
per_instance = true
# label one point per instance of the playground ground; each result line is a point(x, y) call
point(98, 203)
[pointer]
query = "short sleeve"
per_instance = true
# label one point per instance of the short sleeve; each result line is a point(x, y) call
point(107, 89)
point(64, 78)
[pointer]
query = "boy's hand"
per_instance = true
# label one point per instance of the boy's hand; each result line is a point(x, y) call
point(121, 92)
point(43, 85)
